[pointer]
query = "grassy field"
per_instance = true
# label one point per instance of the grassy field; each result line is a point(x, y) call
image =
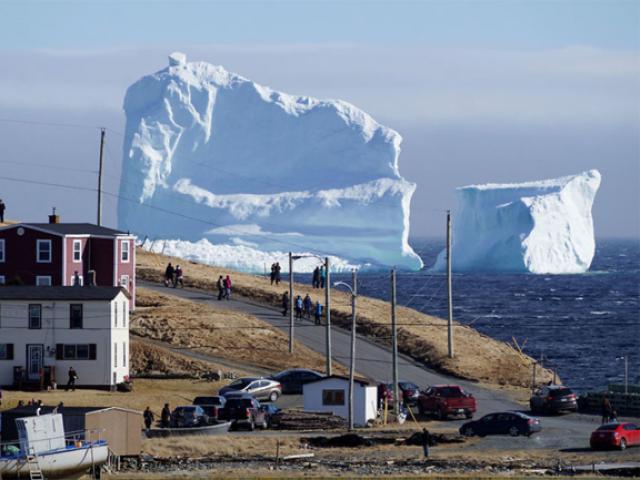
point(421, 336)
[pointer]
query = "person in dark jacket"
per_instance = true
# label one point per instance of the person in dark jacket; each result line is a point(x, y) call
point(168, 275)
point(318, 312)
point(285, 303)
point(607, 410)
point(2, 208)
point(315, 282)
point(165, 416)
point(148, 418)
point(73, 376)
point(323, 276)
point(308, 305)
point(426, 441)
point(278, 269)
point(272, 276)
point(178, 279)
point(220, 286)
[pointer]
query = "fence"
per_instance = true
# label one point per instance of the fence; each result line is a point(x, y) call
point(626, 405)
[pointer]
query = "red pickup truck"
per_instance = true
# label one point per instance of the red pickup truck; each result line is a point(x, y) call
point(446, 400)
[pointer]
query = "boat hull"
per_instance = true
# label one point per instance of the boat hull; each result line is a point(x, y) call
point(67, 463)
point(218, 429)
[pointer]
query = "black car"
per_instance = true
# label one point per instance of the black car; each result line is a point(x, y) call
point(553, 399)
point(502, 423)
point(189, 417)
point(243, 410)
point(410, 392)
point(293, 379)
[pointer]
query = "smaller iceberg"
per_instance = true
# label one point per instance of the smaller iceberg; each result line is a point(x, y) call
point(533, 227)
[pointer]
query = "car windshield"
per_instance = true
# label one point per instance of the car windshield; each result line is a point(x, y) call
point(186, 411)
point(609, 426)
point(450, 392)
point(407, 386)
point(239, 403)
point(241, 383)
point(560, 392)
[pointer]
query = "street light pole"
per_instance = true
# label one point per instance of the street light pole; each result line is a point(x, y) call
point(352, 367)
point(327, 309)
point(290, 303)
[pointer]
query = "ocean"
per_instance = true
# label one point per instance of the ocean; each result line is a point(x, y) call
point(579, 325)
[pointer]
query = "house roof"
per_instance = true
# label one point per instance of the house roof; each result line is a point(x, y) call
point(71, 229)
point(30, 292)
point(362, 381)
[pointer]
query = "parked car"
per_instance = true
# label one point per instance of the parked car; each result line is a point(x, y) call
point(260, 388)
point(615, 435)
point(446, 400)
point(410, 392)
point(553, 399)
point(293, 379)
point(211, 405)
point(271, 412)
point(189, 417)
point(502, 423)
point(385, 390)
point(243, 410)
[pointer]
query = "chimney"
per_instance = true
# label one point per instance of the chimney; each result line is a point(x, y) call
point(53, 218)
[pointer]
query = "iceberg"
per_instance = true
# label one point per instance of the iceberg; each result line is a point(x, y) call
point(537, 227)
point(210, 155)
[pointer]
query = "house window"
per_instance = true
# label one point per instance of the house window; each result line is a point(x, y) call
point(6, 351)
point(115, 314)
point(124, 354)
point(124, 314)
point(124, 281)
point(35, 316)
point(81, 351)
point(43, 251)
point(332, 397)
point(2, 250)
point(124, 251)
point(77, 251)
point(115, 354)
point(75, 315)
point(43, 281)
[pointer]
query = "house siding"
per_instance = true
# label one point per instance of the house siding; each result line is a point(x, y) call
point(81, 267)
point(20, 256)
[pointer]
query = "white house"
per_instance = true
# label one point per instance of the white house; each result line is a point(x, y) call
point(46, 330)
point(331, 394)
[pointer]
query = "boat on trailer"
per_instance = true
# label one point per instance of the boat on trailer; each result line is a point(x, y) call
point(43, 450)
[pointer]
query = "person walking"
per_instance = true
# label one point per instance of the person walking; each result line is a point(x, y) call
point(2, 209)
point(298, 306)
point(315, 282)
point(318, 312)
point(426, 440)
point(148, 418)
point(178, 279)
point(308, 306)
point(220, 285)
point(165, 416)
point(168, 275)
point(272, 276)
point(278, 270)
point(607, 410)
point(73, 376)
point(285, 303)
point(323, 276)
point(227, 287)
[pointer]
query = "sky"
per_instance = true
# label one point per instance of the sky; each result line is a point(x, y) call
point(481, 91)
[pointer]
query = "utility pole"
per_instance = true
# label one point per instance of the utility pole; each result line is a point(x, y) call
point(626, 375)
point(354, 294)
point(394, 343)
point(327, 309)
point(290, 302)
point(102, 133)
point(450, 292)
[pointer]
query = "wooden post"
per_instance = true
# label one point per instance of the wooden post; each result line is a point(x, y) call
point(102, 133)
point(394, 346)
point(449, 288)
point(327, 310)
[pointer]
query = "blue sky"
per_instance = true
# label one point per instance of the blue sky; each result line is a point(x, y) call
point(480, 91)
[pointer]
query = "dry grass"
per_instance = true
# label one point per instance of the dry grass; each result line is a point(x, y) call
point(218, 332)
point(145, 357)
point(221, 446)
point(421, 336)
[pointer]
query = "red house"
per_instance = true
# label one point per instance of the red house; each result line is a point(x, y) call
point(65, 253)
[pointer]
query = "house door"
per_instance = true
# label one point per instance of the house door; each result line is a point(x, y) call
point(34, 361)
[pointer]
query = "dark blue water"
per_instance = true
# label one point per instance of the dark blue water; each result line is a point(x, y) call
point(579, 324)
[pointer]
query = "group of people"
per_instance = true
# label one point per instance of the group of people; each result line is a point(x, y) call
point(224, 287)
point(275, 273)
point(303, 307)
point(173, 276)
point(319, 277)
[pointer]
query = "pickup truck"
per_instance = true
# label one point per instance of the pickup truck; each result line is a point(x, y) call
point(446, 400)
point(212, 406)
point(244, 411)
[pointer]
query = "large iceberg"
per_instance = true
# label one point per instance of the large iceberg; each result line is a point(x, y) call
point(211, 155)
point(537, 227)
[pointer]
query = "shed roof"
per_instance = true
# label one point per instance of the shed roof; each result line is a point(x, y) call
point(30, 292)
point(362, 381)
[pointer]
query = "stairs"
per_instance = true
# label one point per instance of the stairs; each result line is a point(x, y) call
point(34, 466)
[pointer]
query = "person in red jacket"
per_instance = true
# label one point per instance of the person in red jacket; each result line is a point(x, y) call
point(227, 288)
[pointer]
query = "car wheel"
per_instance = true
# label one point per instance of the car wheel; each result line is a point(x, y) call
point(252, 426)
point(623, 444)
point(468, 432)
point(468, 414)
point(514, 432)
point(442, 415)
point(273, 396)
point(264, 425)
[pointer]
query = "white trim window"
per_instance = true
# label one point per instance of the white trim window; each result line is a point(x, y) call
point(43, 281)
point(43, 251)
point(2, 255)
point(125, 251)
point(115, 354)
point(2, 280)
point(77, 251)
point(72, 280)
point(124, 281)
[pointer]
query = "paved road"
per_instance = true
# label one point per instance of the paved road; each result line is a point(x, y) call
point(374, 361)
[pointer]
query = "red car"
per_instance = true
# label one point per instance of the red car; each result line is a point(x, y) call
point(616, 435)
point(446, 400)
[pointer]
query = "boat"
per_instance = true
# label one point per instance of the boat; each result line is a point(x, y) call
point(43, 447)
point(216, 429)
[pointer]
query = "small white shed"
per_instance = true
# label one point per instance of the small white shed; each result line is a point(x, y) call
point(331, 394)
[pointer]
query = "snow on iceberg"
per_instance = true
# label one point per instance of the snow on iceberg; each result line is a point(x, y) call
point(537, 227)
point(211, 155)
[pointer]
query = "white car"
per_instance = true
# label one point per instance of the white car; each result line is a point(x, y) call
point(261, 388)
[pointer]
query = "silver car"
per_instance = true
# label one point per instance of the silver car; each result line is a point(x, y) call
point(260, 388)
